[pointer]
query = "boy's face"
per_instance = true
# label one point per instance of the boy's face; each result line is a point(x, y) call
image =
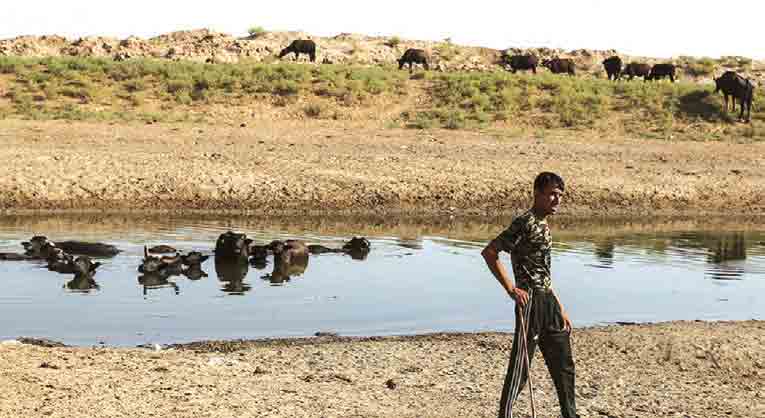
point(548, 199)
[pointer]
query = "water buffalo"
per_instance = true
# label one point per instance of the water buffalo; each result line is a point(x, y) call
point(634, 69)
point(61, 262)
point(232, 245)
point(358, 248)
point(414, 56)
point(522, 62)
point(162, 249)
point(613, 67)
point(660, 71)
point(286, 250)
point(732, 84)
point(38, 244)
point(84, 270)
point(193, 258)
point(163, 266)
point(301, 46)
point(560, 66)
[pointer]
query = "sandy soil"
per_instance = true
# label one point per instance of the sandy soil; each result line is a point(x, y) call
point(328, 167)
point(680, 369)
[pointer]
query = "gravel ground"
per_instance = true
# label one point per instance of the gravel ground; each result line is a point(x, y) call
point(324, 167)
point(674, 369)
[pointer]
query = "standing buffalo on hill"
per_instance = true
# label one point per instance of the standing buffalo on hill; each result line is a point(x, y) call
point(660, 71)
point(613, 66)
point(522, 62)
point(634, 69)
point(414, 56)
point(301, 46)
point(560, 66)
point(732, 84)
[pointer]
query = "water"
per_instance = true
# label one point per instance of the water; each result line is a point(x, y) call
point(420, 277)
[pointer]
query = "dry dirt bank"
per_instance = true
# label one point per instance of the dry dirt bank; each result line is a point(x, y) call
point(327, 167)
point(680, 369)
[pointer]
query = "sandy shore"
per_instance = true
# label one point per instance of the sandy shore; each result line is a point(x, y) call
point(678, 369)
point(327, 167)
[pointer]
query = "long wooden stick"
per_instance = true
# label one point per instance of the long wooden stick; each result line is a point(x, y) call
point(527, 363)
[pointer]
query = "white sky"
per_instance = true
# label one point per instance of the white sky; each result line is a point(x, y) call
point(659, 28)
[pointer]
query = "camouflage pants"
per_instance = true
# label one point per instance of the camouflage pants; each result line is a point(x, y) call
point(544, 321)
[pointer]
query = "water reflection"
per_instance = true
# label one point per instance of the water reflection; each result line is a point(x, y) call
point(604, 252)
point(156, 280)
point(231, 272)
point(285, 269)
point(725, 251)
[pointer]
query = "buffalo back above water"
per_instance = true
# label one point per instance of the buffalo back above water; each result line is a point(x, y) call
point(613, 67)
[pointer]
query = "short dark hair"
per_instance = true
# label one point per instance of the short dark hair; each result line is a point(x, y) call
point(546, 178)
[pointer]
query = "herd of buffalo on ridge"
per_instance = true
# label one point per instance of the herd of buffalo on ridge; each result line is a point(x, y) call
point(730, 83)
point(233, 255)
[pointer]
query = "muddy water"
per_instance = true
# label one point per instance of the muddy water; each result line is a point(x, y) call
point(421, 276)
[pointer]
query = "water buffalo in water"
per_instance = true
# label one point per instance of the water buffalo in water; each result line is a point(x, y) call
point(93, 249)
point(357, 247)
point(660, 71)
point(300, 46)
point(290, 259)
point(162, 249)
point(414, 56)
point(84, 270)
point(613, 67)
point(634, 69)
point(522, 62)
point(732, 84)
point(232, 245)
point(560, 66)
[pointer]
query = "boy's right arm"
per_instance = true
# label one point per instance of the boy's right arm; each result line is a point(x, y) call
point(491, 256)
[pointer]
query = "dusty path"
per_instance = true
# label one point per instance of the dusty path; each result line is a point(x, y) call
point(334, 167)
point(682, 369)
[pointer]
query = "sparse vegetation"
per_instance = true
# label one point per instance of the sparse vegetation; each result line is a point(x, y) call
point(100, 89)
point(698, 67)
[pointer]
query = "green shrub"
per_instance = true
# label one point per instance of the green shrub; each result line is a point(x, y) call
point(393, 42)
point(256, 31)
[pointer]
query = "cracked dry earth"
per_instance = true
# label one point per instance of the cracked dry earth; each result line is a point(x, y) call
point(674, 369)
point(325, 167)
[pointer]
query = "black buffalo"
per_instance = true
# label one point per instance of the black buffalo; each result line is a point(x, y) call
point(38, 245)
point(232, 245)
point(613, 67)
point(635, 69)
point(414, 56)
point(560, 66)
point(660, 71)
point(732, 84)
point(301, 46)
point(522, 62)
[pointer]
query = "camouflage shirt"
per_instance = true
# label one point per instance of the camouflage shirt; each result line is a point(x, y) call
point(529, 242)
